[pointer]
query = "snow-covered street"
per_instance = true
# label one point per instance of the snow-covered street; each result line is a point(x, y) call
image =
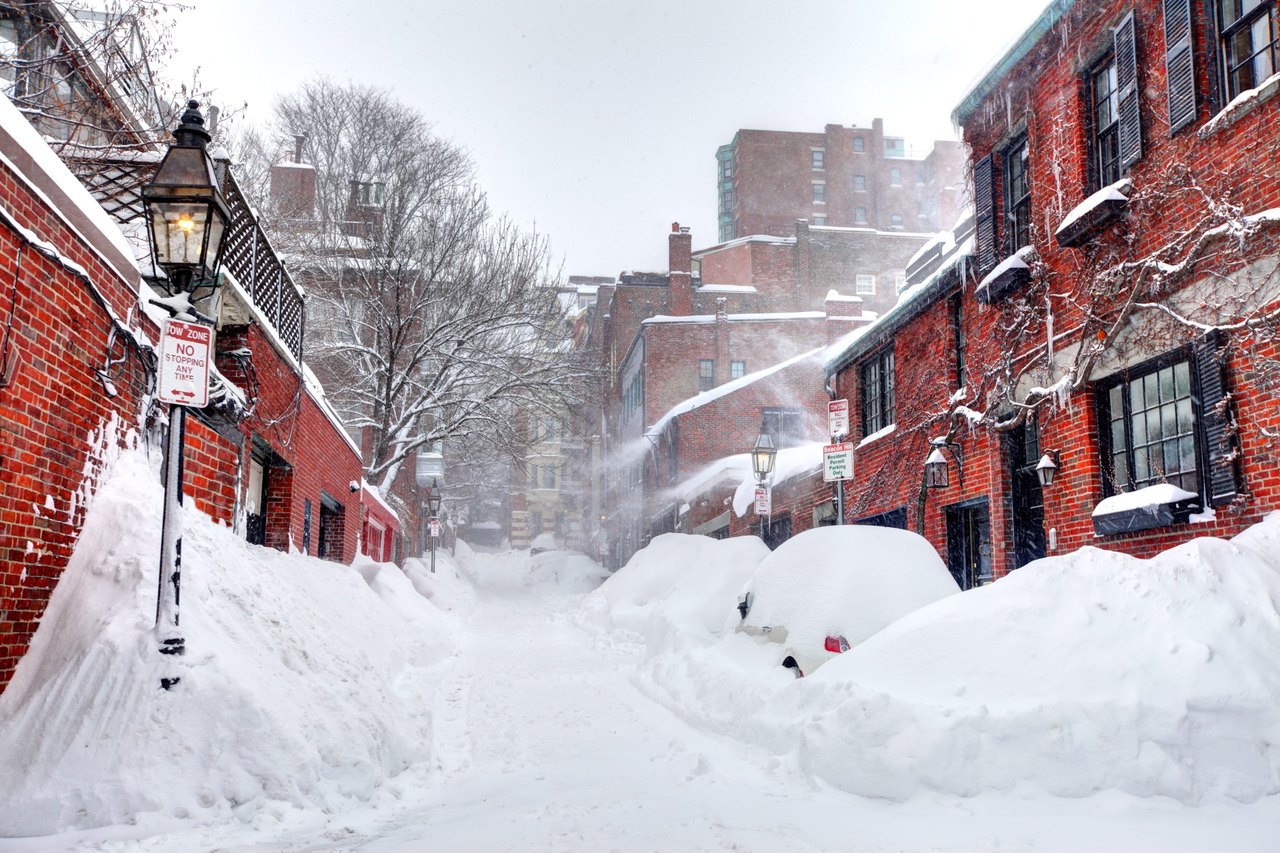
point(512, 702)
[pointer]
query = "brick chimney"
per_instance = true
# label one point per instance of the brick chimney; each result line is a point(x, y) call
point(844, 314)
point(680, 265)
point(293, 184)
point(723, 347)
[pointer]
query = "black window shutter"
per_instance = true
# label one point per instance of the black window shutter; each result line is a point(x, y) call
point(1179, 69)
point(1127, 82)
point(1215, 416)
point(984, 215)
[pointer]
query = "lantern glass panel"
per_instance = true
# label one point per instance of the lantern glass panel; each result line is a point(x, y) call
point(936, 474)
point(180, 229)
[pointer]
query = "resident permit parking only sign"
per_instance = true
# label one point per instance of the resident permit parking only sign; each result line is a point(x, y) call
point(837, 462)
point(184, 363)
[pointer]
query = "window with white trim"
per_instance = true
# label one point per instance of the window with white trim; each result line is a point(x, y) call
point(865, 284)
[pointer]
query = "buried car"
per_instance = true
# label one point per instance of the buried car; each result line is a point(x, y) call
point(828, 589)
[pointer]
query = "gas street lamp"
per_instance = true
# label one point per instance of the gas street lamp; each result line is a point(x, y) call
point(763, 457)
point(187, 217)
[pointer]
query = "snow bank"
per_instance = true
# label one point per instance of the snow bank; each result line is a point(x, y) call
point(551, 571)
point(1073, 675)
point(678, 589)
point(300, 685)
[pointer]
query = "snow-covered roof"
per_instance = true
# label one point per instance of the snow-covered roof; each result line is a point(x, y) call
point(699, 400)
point(665, 319)
point(987, 83)
point(374, 496)
point(739, 241)
point(727, 288)
point(910, 302)
point(66, 196)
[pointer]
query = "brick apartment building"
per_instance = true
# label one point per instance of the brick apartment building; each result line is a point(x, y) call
point(665, 338)
point(843, 176)
point(1114, 310)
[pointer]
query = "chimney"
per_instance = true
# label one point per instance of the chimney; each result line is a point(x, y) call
point(680, 266)
point(293, 185)
point(844, 314)
point(723, 347)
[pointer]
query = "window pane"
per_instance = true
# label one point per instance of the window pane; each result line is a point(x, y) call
point(1185, 419)
point(1166, 385)
point(1153, 425)
point(1187, 453)
point(1168, 421)
point(1172, 463)
point(1152, 385)
point(1141, 468)
point(1139, 431)
point(1182, 377)
point(1117, 435)
point(1116, 398)
point(1121, 471)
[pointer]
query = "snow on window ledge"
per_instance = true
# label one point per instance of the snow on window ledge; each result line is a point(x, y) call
point(878, 434)
point(1241, 105)
point(1013, 271)
point(1097, 210)
point(1160, 505)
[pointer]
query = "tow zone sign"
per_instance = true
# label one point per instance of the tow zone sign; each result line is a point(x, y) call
point(837, 462)
point(184, 363)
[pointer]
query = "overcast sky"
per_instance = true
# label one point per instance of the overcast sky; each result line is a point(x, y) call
point(598, 120)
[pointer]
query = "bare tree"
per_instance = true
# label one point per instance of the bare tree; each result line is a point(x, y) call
point(429, 318)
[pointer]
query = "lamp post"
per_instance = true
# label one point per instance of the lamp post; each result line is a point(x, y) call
point(434, 495)
point(187, 218)
point(429, 475)
point(763, 456)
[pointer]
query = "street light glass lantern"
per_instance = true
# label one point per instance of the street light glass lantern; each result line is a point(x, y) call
point(434, 495)
point(936, 474)
point(1047, 469)
point(763, 456)
point(186, 214)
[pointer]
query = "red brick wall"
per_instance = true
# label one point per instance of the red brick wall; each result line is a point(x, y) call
point(293, 424)
point(211, 466)
point(56, 334)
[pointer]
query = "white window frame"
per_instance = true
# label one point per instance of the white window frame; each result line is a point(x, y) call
point(864, 284)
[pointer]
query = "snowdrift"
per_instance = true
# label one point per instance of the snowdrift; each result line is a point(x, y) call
point(678, 589)
point(1075, 674)
point(559, 572)
point(290, 693)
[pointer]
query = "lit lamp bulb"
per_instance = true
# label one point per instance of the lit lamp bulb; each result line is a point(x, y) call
point(186, 223)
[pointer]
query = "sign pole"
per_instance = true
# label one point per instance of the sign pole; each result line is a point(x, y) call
point(168, 595)
point(839, 502)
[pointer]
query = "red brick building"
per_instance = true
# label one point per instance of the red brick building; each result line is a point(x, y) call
point(665, 338)
point(77, 363)
point(843, 176)
point(1113, 314)
point(797, 273)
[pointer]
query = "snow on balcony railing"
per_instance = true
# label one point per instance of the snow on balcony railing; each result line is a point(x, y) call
point(248, 255)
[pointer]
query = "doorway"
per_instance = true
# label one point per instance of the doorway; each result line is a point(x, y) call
point(1026, 496)
point(969, 543)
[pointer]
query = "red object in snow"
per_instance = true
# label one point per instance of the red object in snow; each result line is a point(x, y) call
point(837, 644)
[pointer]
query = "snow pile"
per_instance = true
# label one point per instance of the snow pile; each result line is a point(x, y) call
point(300, 686)
point(848, 581)
point(679, 588)
point(566, 570)
point(551, 571)
point(1075, 674)
point(445, 588)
